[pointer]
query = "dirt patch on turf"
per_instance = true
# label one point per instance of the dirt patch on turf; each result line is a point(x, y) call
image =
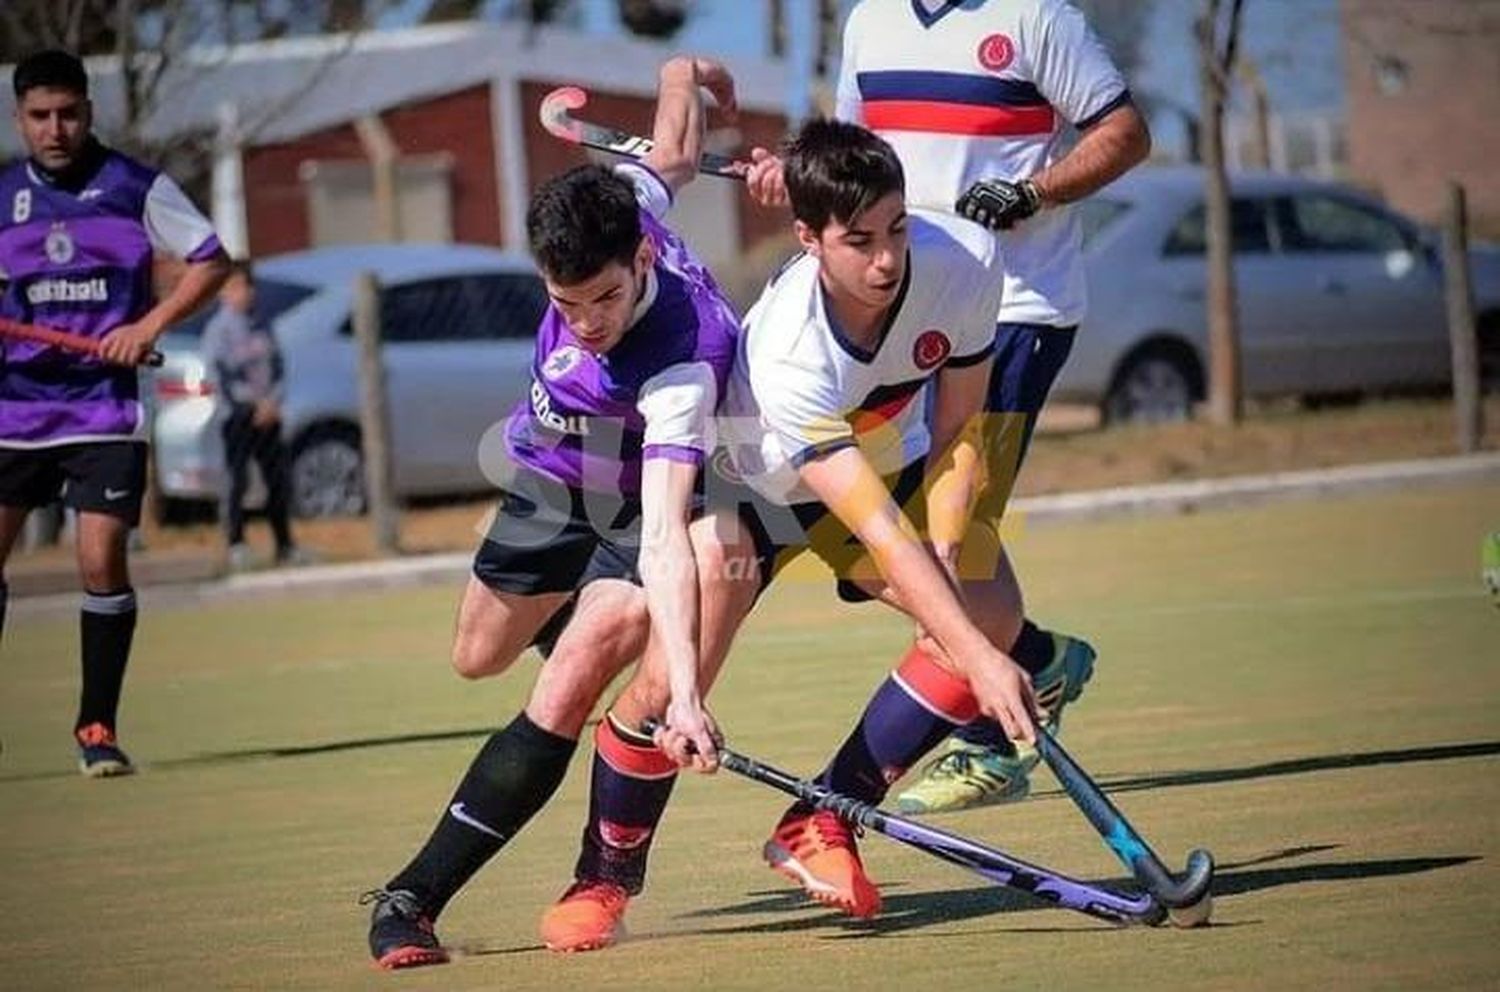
point(1071, 453)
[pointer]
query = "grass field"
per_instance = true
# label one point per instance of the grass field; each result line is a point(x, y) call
point(1311, 690)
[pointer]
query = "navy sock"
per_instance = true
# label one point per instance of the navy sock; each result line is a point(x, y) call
point(106, 627)
point(510, 779)
point(915, 707)
point(1032, 650)
point(632, 782)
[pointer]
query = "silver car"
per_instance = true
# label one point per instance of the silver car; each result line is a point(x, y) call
point(459, 324)
point(1337, 295)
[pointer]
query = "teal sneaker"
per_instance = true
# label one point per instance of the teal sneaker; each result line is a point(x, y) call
point(1062, 682)
point(964, 775)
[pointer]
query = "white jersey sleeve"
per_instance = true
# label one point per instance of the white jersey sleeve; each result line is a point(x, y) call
point(651, 191)
point(1069, 64)
point(174, 225)
point(678, 405)
point(846, 98)
point(803, 411)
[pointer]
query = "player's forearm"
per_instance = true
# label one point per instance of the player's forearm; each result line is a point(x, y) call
point(929, 597)
point(1105, 152)
point(669, 574)
point(198, 284)
point(677, 134)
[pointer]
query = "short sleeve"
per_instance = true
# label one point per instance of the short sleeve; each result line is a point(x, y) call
point(847, 103)
point(1070, 65)
point(651, 191)
point(678, 406)
point(174, 225)
point(801, 411)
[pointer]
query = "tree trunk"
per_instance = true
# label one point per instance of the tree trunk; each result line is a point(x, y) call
point(1462, 337)
point(1224, 402)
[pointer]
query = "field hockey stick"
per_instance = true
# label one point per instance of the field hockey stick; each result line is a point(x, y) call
point(557, 118)
point(1190, 892)
point(62, 339)
point(994, 865)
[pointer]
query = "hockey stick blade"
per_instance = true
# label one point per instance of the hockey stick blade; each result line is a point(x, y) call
point(557, 117)
point(1187, 890)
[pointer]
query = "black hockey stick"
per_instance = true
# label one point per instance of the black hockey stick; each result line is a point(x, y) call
point(557, 118)
point(1190, 893)
point(992, 864)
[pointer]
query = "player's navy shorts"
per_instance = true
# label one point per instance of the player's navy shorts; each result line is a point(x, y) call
point(90, 476)
point(547, 537)
point(1028, 358)
point(781, 533)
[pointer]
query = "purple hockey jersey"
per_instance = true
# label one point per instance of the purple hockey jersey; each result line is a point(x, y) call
point(81, 261)
point(588, 420)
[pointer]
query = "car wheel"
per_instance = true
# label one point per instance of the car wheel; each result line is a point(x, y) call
point(328, 473)
point(1153, 387)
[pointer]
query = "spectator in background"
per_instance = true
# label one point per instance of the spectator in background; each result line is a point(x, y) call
point(241, 355)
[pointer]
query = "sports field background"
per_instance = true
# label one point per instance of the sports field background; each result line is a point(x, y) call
point(1312, 690)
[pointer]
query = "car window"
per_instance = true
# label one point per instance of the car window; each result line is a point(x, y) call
point(1096, 213)
point(272, 299)
point(1317, 223)
point(508, 306)
point(463, 308)
point(1247, 221)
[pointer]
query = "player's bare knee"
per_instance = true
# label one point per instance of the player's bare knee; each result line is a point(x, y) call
point(475, 659)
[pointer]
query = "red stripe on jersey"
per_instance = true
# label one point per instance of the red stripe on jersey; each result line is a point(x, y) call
point(937, 689)
point(865, 420)
point(631, 759)
point(958, 118)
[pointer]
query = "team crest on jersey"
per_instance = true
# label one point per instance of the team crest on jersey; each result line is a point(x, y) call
point(996, 52)
point(562, 361)
point(931, 350)
point(58, 245)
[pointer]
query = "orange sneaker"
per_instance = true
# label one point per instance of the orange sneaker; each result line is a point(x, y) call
point(588, 917)
point(815, 849)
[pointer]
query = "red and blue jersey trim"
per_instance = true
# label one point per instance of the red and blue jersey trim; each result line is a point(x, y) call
point(953, 103)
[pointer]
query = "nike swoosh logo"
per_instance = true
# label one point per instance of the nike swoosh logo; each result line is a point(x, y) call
point(114, 494)
point(458, 813)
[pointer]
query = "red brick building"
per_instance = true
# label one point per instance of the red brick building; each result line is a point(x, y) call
point(1423, 90)
point(459, 102)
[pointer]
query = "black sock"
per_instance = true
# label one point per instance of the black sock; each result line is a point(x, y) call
point(106, 627)
point(511, 778)
point(4, 597)
point(1032, 650)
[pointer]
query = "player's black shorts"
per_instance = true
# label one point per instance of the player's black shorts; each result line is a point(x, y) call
point(92, 476)
point(781, 533)
point(547, 537)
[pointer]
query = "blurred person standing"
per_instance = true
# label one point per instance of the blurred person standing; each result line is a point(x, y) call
point(241, 354)
point(80, 228)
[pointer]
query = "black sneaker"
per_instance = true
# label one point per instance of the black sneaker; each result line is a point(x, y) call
point(99, 754)
point(401, 935)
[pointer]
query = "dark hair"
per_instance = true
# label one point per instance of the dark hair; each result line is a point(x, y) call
point(581, 221)
point(54, 69)
point(836, 170)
